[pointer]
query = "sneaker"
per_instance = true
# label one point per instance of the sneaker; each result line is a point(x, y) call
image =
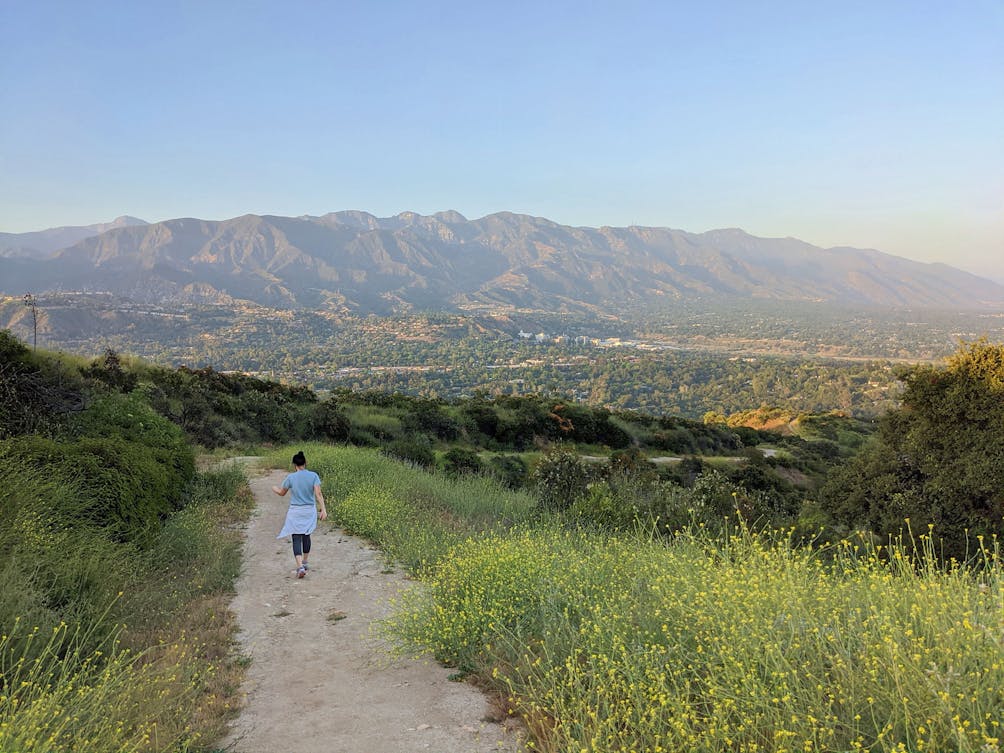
point(306, 566)
point(301, 572)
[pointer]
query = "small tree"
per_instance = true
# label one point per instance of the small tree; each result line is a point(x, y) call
point(938, 460)
point(108, 368)
point(330, 421)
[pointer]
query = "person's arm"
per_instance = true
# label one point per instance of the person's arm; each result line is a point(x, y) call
point(280, 492)
point(319, 498)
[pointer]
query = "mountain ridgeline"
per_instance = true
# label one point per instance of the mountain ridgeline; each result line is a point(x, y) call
point(354, 262)
point(43, 243)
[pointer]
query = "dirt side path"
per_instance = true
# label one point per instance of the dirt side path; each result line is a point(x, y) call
point(320, 685)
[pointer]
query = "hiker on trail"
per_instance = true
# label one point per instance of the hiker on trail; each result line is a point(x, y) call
point(305, 506)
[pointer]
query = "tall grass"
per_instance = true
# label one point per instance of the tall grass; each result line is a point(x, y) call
point(413, 514)
point(56, 565)
point(372, 425)
point(738, 644)
point(731, 642)
point(105, 646)
point(107, 699)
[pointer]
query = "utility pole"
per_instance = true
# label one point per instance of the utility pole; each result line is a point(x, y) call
point(31, 302)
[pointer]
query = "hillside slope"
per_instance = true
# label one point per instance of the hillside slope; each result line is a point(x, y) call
point(353, 261)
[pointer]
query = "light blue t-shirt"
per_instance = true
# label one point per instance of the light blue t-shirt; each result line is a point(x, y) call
point(301, 484)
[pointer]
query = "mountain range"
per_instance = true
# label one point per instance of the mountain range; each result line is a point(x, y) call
point(355, 262)
point(43, 243)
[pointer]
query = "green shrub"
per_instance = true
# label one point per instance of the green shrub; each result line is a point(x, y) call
point(127, 489)
point(938, 460)
point(511, 470)
point(458, 460)
point(429, 418)
point(601, 508)
point(560, 479)
point(131, 419)
point(413, 450)
point(635, 502)
point(330, 421)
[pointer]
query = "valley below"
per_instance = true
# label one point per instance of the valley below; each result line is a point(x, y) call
point(688, 358)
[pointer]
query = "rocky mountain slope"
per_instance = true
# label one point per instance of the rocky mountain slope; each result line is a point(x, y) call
point(357, 262)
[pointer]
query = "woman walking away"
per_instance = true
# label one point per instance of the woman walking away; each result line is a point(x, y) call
point(301, 519)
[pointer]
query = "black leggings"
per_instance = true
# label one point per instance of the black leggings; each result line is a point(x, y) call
point(301, 544)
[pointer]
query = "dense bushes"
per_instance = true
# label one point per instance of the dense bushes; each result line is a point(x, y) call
point(124, 489)
point(560, 479)
point(217, 409)
point(415, 450)
point(130, 467)
point(938, 460)
point(111, 558)
point(514, 423)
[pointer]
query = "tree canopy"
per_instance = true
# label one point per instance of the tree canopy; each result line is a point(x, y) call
point(938, 460)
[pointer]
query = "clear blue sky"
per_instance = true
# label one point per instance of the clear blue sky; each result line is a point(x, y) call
point(870, 123)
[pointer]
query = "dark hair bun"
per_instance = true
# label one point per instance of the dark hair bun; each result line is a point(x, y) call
point(299, 458)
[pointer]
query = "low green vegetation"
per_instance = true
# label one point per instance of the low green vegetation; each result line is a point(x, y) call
point(623, 581)
point(108, 645)
point(415, 515)
point(115, 569)
point(731, 643)
point(700, 638)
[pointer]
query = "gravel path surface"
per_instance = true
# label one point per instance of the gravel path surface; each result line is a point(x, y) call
point(319, 680)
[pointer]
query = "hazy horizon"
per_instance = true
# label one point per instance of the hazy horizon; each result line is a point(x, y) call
point(861, 125)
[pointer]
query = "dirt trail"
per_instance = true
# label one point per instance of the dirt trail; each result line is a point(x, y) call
point(317, 684)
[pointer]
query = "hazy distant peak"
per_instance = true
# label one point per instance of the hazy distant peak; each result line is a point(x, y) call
point(127, 221)
point(352, 218)
point(103, 227)
point(450, 216)
point(726, 233)
point(44, 243)
point(520, 219)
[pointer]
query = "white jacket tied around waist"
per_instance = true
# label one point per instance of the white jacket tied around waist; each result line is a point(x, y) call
point(299, 519)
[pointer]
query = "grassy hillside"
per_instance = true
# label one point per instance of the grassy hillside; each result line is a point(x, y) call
point(726, 641)
point(115, 567)
point(623, 581)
